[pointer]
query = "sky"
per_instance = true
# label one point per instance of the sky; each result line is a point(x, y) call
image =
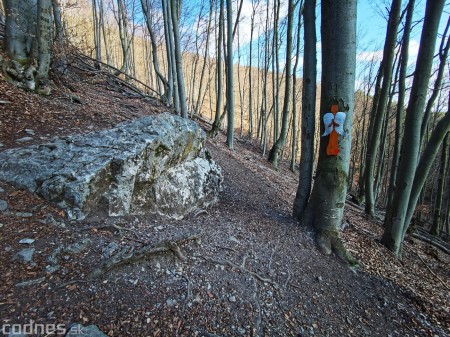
point(371, 27)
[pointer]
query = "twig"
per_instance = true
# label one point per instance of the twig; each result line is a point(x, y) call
point(245, 270)
point(188, 286)
point(226, 248)
point(287, 279)
point(271, 258)
point(71, 282)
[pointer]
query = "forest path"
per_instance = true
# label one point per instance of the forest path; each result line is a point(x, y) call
point(243, 267)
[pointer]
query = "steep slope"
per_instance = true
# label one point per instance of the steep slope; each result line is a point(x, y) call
point(240, 268)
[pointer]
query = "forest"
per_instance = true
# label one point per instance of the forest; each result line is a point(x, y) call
point(360, 122)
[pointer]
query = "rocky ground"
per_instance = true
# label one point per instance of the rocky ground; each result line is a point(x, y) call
point(244, 267)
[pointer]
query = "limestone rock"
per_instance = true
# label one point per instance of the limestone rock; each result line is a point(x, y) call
point(24, 255)
point(155, 164)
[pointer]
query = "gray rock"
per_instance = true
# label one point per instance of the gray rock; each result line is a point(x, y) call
point(1, 145)
point(152, 165)
point(78, 247)
point(232, 299)
point(109, 250)
point(26, 241)
point(3, 205)
point(24, 255)
point(87, 331)
point(24, 139)
point(1, 189)
point(29, 132)
point(171, 302)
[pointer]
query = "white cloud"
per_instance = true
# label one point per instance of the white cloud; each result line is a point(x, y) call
point(370, 56)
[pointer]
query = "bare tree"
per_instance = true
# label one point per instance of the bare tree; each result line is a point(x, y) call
point(308, 110)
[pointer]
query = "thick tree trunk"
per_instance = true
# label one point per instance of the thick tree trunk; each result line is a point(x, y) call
point(395, 220)
point(326, 205)
point(19, 28)
point(308, 110)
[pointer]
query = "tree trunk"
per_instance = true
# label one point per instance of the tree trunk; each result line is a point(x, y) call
point(59, 30)
point(178, 60)
point(45, 24)
point(443, 53)
point(374, 140)
point(230, 81)
point(400, 117)
point(294, 90)
point(326, 205)
point(395, 220)
point(308, 110)
point(216, 125)
point(205, 56)
point(438, 211)
point(149, 23)
point(425, 163)
point(274, 154)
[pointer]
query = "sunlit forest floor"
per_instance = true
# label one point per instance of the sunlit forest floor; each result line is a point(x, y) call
point(253, 271)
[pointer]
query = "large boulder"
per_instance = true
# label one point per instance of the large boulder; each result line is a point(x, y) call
point(156, 164)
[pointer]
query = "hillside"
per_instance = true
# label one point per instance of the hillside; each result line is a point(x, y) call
point(249, 268)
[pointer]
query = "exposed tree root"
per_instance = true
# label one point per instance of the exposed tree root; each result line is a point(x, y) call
point(243, 269)
point(258, 319)
point(130, 255)
point(329, 241)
